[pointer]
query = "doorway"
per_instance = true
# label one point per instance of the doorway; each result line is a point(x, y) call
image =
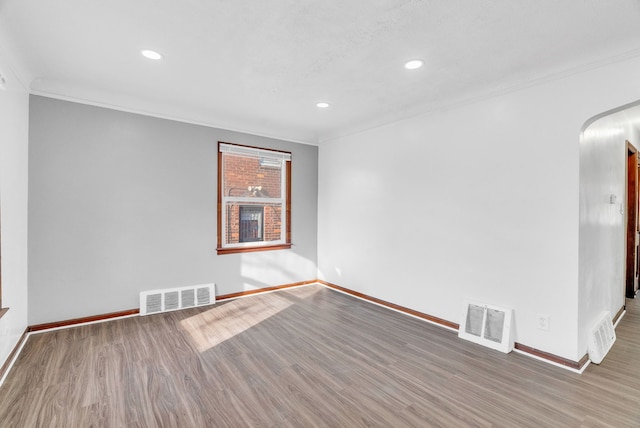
point(632, 257)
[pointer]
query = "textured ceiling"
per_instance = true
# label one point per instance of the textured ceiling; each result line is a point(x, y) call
point(261, 66)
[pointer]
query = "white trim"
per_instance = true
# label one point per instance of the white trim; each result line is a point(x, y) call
point(254, 244)
point(280, 202)
point(624, 312)
point(400, 311)
point(13, 360)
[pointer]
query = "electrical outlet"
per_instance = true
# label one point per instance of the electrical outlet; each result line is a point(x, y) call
point(543, 322)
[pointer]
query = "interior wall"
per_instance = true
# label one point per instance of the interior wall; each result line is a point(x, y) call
point(14, 112)
point(478, 201)
point(120, 203)
point(603, 158)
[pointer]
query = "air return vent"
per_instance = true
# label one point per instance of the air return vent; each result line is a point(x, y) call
point(487, 325)
point(601, 338)
point(171, 299)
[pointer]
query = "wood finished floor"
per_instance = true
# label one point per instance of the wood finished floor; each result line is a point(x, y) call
point(305, 357)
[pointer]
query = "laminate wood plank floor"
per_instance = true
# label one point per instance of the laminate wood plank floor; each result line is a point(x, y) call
point(306, 357)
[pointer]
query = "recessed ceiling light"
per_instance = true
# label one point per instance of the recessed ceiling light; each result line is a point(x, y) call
point(413, 64)
point(147, 53)
point(322, 105)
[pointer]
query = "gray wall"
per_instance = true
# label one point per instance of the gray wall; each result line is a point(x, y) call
point(120, 203)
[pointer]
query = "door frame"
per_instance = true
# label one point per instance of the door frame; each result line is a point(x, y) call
point(631, 221)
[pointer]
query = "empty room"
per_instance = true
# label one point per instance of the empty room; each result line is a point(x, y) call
point(319, 213)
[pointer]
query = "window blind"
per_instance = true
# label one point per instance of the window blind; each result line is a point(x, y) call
point(254, 152)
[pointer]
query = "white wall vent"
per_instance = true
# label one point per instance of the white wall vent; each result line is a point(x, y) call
point(171, 299)
point(487, 325)
point(601, 338)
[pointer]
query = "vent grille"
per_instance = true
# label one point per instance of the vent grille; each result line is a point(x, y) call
point(487, 325)
point(188, 298)
point(204, 295)
point(172, 299)
point(601, 338)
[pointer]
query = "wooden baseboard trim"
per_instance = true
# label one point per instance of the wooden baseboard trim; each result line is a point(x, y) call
point(618, 315)
point(575, 365)
point(104, 317)
point(406, 310)
point(83, 320)
point(12, 355)
point(262, 290)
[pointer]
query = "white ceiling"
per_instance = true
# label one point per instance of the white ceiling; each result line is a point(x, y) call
point(261, 66)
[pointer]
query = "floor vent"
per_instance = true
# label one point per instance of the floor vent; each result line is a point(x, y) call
point(172, 299)
point(601, 338)
point(487, 325)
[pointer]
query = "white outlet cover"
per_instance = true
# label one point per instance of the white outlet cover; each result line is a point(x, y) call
point(543, 322)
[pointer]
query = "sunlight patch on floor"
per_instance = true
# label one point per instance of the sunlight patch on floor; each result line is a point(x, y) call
point(223, 322)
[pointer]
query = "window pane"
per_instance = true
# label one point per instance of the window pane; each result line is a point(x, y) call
point(251, 221)
point(251, 176)
point(247, 222)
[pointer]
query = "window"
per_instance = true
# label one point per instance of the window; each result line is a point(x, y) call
point(254, 199)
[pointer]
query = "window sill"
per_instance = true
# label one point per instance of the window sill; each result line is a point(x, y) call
point(252, 249)
point(3, 311)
